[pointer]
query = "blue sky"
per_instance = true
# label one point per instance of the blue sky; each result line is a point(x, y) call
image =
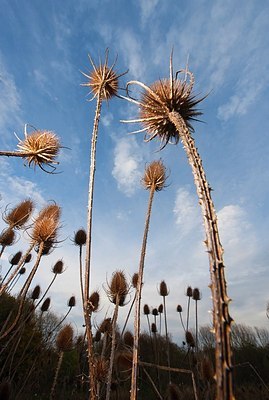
point(44, 46)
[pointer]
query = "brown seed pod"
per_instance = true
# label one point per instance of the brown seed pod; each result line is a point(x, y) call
point(7, 237)
point(163, 289)
point(189, 291)
point(128, 339)
point(64, 340)
point(160, 309)
point(45, 305)
point(118, 288)
point(189, 339)
point(106, 325)
point(101, 368)
point(135, 280)
point(179, 308)
point(22, 271)
point(71, 301)
point(196, 294)
point(58, 267)
point(19, 215)
point(80, 237)
point(97, 336)
point(146, 309)
point(40, 148)
point(46, 225)
point(36, 293)
point(16, 258)
point(93, 302)
point(153, 328)
point(155, 312)
point(28, 258)
point(155, 175)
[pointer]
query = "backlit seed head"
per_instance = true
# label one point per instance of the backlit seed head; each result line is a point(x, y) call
point(155, 312)
point(46, 225)
point(64, 340)
point(196, 294)
point(118, 288)
point(154, 176)
point(36, 293)
point(128, 339)
point(80, 237)
point(58, 267)
point(45, 305)
point(189, 291)
point(28, 258)
point(135, 280)
point(93, 302)
point(22, 271)
point(40, 148)
point(16, 258)
point(189, 339)
point(160, 308)
point(163, 289)
point(146, 309)
point(72, 301)
point(153, 328)
point(179, 308)
point(106, 325)
point(19, 215)
point(7, 237)
point(97, 336)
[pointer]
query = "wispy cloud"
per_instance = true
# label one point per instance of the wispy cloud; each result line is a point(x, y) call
point(186, 211)
point(147, 8)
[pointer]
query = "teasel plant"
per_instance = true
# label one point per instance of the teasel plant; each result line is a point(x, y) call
point(167, 109)
point(196, 296)
point(103, 83)
point(116, 291)
point(179, 310)
point(39, 148)
point(189, 295)
point(44, 233)
point(163, 290)
point(14, 260)
point(154, 180)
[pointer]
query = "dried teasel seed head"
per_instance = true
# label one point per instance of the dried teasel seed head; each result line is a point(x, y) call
point(118, 288)
point(28, 258)
point(36, 293)
point(16, 258)
point(71, 301)
point(135, 280)
point(106, 325)
point(153, 328)
point(93, 302)
point(45, 305)
point(64, 340)
point(101, 368)
point(179, 308)
point(207, 370)
point(46, 225)
point(173, 392)
point(189, 291)
point(128, 339)
point(146, 309)
point(19, 215)
point(80, 237)
point(189, 339)
point(5, 390)
point(40, 148)
point(155, 312)
point(196, 294)
point(7, 237)
point(97, 336)
point(58, 267)
point(160, 308)
point(22, 271)
point(155, 176)
point(124, 361)
point(163, 289)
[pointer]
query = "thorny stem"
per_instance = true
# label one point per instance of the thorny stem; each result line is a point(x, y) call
point(188, 314)
point(60, 359)
point(166, 336)
point(221, 318)
point(138, 298)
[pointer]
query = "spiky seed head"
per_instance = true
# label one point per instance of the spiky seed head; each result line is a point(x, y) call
point(93, 302)
point(45, 305)
point(58, 267)
point(28, 258)
point(189, 339)
point(118, 288)
point(46, 225)
point(135, 280)
point(196, 294)
point(155, 312)
point(160, 308)
point(189, 291)
point(7, 237)
point(146, 309)
point(64, 340)
point(207, 369)
point(153, 328)
point(36, 292)
point(71, 302)
point(179, 308)
point(154, 176)
point(173, 392)
point(19, 215)
point(16, 258)
point(128, 339)
point(5, 390)
point(40, 148)
point(80, 237)
point(101, 368)
point(97, 336)
point(163, 289)
point(106, 325)
point(22, 271)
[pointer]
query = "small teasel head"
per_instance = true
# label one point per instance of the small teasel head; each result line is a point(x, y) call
point(163, 289)
point(18, 216)
point(106, 325)
point(135, 280)
point(189, 339)
point(71, 302)
point(97, 336)
point(118, 288)
point(80, 237)
point(58, 267)
point(196, 294)
point(154, 176)
point(179, 308)
point(160, 309)
point(153, 328)
point(146, 309)
point(155, 312)
point(28, 258)
point(45, 305)
point(93, 302)
point(14, 260)
point(128, 338)
point(7, 237)
point(189, 291)
point(40, 148)
point(22, 271)
point(36, 293)
point(64, 340)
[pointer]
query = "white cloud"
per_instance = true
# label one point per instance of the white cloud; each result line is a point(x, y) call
point(147, 8)
point(127, 161)
point(130, 48)
point(107, 119)
point(186, 211)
